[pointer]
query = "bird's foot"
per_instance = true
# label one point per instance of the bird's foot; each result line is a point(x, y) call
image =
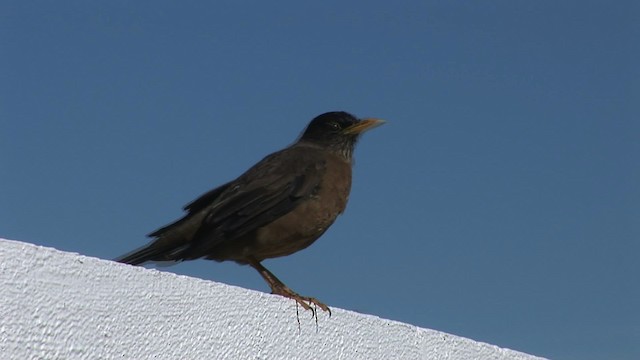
point(304, 301)
point(279, 288)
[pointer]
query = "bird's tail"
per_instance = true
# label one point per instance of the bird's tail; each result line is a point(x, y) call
point(150, 252)
point(171, 243)
point(138, 256)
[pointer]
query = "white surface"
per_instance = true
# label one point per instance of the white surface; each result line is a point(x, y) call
point(58, 305)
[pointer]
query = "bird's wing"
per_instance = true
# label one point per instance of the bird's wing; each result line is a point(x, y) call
point(192, 208)
point(269, 190)
point(205, 199)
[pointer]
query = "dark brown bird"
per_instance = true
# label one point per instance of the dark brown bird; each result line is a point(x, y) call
point(279, 206)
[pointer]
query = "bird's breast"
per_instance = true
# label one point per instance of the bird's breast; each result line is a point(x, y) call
point(310, 219)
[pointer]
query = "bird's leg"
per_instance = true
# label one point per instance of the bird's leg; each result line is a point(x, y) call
point(279, 288)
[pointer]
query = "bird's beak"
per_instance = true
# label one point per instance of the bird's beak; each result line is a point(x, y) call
point(362, 126)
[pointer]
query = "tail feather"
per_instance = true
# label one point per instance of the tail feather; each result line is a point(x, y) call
point(148, 253)
point(170, 242)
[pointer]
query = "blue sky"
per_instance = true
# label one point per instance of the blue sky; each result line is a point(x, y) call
point(500, 202)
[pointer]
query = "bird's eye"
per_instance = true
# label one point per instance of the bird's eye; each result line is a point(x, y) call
point(334, 125)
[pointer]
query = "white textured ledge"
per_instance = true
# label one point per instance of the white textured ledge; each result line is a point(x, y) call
point(59, 305)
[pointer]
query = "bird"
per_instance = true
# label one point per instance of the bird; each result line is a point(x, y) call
point(279, 206)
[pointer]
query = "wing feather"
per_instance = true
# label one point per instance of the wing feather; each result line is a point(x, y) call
point(269, 190)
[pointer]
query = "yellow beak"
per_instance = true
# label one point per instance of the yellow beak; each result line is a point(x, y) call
point(362, 126)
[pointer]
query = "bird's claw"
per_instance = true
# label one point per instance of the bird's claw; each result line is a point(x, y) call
point(304, 301)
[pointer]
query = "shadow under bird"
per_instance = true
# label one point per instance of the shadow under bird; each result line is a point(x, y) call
point(279, 206)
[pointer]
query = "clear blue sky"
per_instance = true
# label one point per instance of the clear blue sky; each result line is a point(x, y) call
point(500, 202)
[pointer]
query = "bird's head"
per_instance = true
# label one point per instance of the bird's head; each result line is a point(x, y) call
point(338, 131)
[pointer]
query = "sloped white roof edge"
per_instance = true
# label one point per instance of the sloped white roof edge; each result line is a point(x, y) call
point(60, 305)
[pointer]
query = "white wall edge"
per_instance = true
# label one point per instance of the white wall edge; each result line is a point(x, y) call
point(61, 305)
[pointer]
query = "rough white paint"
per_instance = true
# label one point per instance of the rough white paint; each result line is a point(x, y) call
point(59, 305)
